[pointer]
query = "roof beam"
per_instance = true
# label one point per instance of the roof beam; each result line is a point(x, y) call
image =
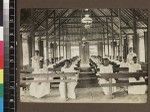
point(102, 22)
point(79, 17)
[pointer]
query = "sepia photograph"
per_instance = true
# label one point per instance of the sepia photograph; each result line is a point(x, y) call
point(88, 55)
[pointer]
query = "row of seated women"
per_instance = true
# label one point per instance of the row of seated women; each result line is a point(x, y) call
point(66, 89)
point(108, 66)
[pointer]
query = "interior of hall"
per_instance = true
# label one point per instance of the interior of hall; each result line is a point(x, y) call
point(85, 37)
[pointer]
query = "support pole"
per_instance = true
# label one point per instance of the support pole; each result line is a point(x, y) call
point(30, 49)
point(148, 53)
point(47, 38)
point(112, 34)
point(120, 50)
point(135, 38)
point(107, 36)
point(146, 44)
point(55, 44)
point(41, 47)
point(63, 43)
point(104, 40)
point(59, 38)
point(100, 48)
point(21, 51)
point(68, 50)
point(32, 34)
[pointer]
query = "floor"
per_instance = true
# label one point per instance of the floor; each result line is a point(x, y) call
point(86, 95)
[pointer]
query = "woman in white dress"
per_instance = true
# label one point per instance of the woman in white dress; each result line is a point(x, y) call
point(137, 89)
point(39, 89)
point(67, 90)
point(106, 68)
point(130, 56)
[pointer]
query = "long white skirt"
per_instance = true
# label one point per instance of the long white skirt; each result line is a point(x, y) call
point(71, 89)
point(106, 89)
point(137, 89)
point(62, 90)
point(39, 90)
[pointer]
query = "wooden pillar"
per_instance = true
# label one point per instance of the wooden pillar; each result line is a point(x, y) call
point(107, 35)
point(55, 44)
point(120, 50)
point(20, 51)
point(41, 47)
point(59, 38)
point(32, 33)
point(125, 48)
point(104, 40)
point(63, 44)
point(80, 49)
point(135, 37)
point(33, 45)
point(148, 53)
point(146, 45)
point(100, 48)
point(47, 39)
point(112, 35)
point(137, 45)
point(111, 49)
point(30, 49)
point(68, 50)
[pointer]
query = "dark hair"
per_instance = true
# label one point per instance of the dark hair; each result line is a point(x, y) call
point(105, 59)
point(67, 61)
point(37, 51)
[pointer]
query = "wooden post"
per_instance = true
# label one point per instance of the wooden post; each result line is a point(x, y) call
point(107, 35)
point(63, 43)
point(145, 45)
point(104, 40)
point(148, 53)
point(120, 50)
point(55, 47)
point(59, 38)
point(100, 48)
point(41, 47)
point(39, 39)
point(112, 34)
point(125, 48)
point(110, 87)
point(32, 33)
point(30, 50)
point(135, 37)
point(20, 51)
point(68, 50)
point(47, 39)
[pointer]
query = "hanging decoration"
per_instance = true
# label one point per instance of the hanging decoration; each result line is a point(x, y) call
point(87, 20)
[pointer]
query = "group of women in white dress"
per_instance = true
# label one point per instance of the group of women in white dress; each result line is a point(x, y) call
point(131, 63)
point(40, 87)
point(69, 82)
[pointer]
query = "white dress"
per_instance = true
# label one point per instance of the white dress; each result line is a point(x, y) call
point(124, 64)
point(72, 85)
point(137, 89)
point(134, 67)
point(106, 69)
point(68, 89)
point(36, 62)
point(63, 90)
point(40, 89)
point(130, 57)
